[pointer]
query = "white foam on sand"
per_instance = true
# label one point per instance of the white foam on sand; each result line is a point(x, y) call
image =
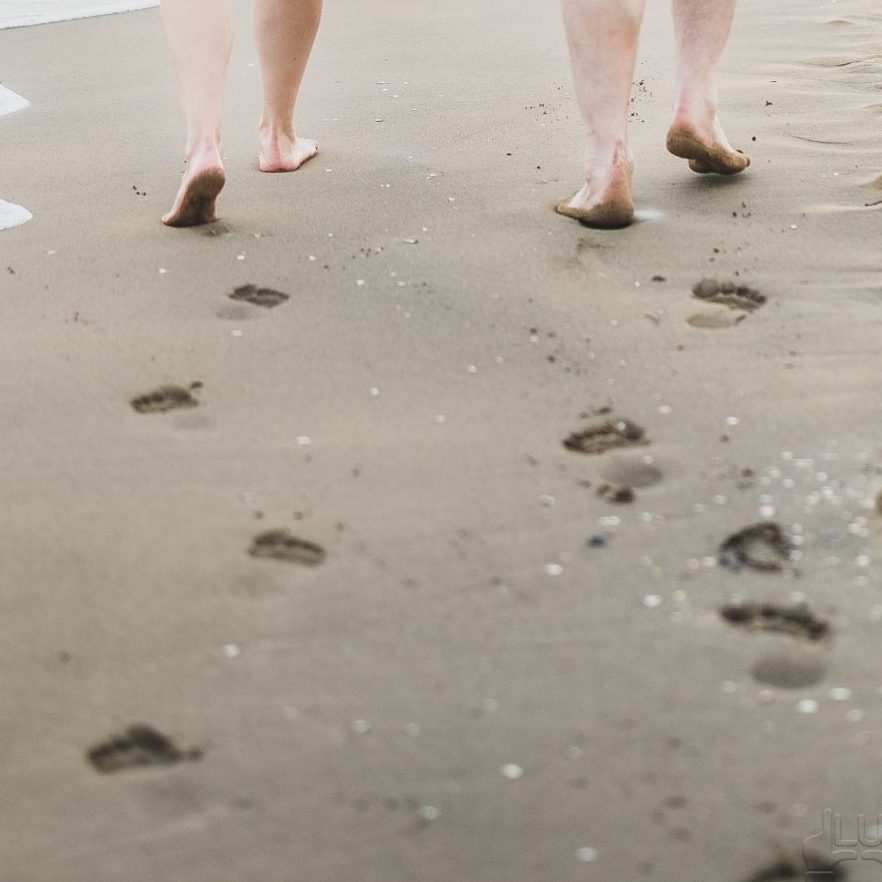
point(10, 102)
point(12, 215)
point(20, 13)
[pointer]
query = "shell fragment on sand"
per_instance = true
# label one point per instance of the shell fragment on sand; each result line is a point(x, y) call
point(12, 215)
point(10, 101)
point(32, 12)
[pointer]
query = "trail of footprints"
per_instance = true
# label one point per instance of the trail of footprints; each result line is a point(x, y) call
point(140, 745)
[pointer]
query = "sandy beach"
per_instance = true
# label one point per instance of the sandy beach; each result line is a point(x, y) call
point(464, 660)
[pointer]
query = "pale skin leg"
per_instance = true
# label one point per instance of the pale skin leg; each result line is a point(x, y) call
point(702, 28)
point(285, 31)
point(602, 37)
point(200, 37)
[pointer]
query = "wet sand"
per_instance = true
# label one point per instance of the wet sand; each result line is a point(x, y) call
point(312, 589)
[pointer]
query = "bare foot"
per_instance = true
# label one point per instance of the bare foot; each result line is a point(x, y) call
point(707, 148)
point(204, 179)
point(605, 199)
point(284, 153)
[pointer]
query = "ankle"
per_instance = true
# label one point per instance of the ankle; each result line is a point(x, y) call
point(274, 130)
point(607, 158)
point(206, 145)
point(697, 107)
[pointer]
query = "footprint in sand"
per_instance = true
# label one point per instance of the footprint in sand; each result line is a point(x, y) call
point(795, 621)
point(739, 300)
point(763, 546)
point(792, 667)
point(605, 434)
point(283, 545)
point(166, 398)
point(138, 746)
point(265, 297)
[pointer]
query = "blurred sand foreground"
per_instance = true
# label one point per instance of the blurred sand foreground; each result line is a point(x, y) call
point(473, 667)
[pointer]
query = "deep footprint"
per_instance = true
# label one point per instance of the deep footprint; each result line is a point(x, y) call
point(266, 297)
point(763, 546)
point(282, 545)
point(138, 746)
point(606, 434)
point(797, 621)
point(729, 294)
point(166, 398)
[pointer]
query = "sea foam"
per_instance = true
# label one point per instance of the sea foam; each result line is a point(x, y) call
point(20, 13)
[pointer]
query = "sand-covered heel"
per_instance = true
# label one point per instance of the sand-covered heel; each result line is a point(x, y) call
point(198, 204)
point(706, 159)
point(612, 215)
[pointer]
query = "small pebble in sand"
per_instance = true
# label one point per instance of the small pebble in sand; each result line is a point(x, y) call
point(598, 540)
point(360, 283)
point(732, 421)
point(807, 706)
point(440, 418)
point(473, 369)
point(428, 813)
point(411, 729)
point(303, 440)
point(652, 601)
point(240, 257)
point(547, 500)
point(586, 854)
point(512, 771)
point(553, 569)
point(360, 727)
point(231, 650)
point(374, 391)
point(840, 693)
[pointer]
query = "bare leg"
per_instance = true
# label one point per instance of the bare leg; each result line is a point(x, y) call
point(200, 36)
point(703, 28)
point(285, 32)
point(602, 36)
